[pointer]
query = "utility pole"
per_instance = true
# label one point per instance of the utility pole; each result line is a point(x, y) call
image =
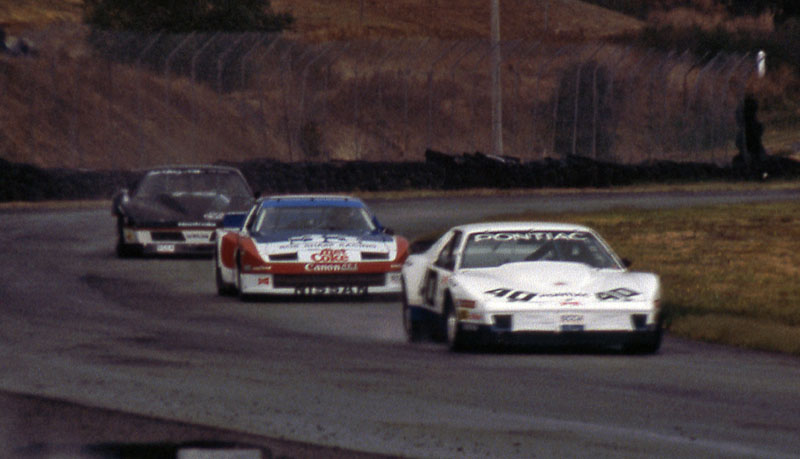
point(497, 91)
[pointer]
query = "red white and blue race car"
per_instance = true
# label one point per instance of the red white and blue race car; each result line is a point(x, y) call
point(307, 245)
point(549, 283)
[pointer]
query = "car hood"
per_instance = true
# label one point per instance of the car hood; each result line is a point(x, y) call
point(327, 246)
point(168, 208)
point(550, 280)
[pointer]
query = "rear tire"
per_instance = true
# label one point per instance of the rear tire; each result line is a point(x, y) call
point(412, 327)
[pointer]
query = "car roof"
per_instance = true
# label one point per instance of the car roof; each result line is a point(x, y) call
point(311, 200)
point(520, 226)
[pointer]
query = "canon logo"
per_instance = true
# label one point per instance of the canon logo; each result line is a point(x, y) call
point(331, 267)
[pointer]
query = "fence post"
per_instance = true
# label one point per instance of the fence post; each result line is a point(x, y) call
point(167, 63)
point(440, 57)
point(577, 100)
point(222, 58)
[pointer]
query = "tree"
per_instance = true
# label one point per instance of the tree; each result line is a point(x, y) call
point(182, 16)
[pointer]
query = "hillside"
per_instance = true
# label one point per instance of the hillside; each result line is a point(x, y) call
point(355, 79)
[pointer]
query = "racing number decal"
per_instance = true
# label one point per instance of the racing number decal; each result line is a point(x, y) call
point(511, 295)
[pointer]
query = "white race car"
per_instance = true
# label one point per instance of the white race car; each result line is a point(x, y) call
point(517, 282)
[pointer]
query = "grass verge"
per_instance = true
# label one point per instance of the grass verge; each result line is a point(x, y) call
point(730, 274)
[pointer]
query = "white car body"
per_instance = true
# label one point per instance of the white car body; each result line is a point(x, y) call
point(560, 301)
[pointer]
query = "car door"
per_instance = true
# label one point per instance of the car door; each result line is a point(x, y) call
point(439, 273)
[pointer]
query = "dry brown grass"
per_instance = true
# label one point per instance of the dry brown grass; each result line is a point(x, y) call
point(324, 20)
point(20, 15)
point(713, 18)
point(50, 118)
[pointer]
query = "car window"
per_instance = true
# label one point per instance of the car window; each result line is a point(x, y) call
point(177, 182)
point(489, 249)
point(447, 256)
point(332, 218)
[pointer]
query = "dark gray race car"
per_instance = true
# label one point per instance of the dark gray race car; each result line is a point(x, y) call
point(174, 210)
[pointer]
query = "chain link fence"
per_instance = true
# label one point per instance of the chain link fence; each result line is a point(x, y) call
point(122, 100)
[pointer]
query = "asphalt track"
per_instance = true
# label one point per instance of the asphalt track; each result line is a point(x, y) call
point(100, 354)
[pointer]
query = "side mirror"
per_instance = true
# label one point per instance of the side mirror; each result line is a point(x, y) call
point(120, 198)
point(627, 262)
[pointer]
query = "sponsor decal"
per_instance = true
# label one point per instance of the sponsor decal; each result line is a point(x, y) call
point(618, 294)
point(532, 236)
point(563, 295)
point(197, 235)
point(571, 318)
point(340, 290)
point(330, 256)
point(570, 303)
point(330, 267)
point(322, 241)
point(264, 281)
point(571, 322)
point(214, 215)
point(523, 296)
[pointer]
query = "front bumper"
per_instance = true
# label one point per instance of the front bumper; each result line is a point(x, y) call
point(169, 241)
point(486, 335)
point(582, 327)
point(321, 285)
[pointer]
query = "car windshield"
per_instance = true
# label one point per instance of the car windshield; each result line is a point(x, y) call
point(195, 181)
point(490, 249)
point(335, 218)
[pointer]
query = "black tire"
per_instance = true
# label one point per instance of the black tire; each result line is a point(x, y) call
point(123, 250)
point(452, 329)
point(648, 344)
point(223, 288)
point(237, 288)
point(413, 328)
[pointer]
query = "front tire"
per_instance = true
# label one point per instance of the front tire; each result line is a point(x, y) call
point(223, 288)
point(452, 329)
point(412, 327)
point(123, 250)
point(650, 343)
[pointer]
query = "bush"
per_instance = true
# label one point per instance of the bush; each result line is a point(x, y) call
point(182, 16)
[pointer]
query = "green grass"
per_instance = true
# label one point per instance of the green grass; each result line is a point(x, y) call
point(730, 274)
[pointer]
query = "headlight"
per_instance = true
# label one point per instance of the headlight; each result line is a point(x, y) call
point(466, 304)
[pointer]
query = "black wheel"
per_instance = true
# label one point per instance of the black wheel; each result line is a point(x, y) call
point(413, 328)
point(223, 288)
point(123, 250)
point(237, 288)
point(452, 328)
point(648, 344)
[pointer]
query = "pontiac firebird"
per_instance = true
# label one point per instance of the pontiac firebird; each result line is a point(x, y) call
point(307, 245)
point(529, 282)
